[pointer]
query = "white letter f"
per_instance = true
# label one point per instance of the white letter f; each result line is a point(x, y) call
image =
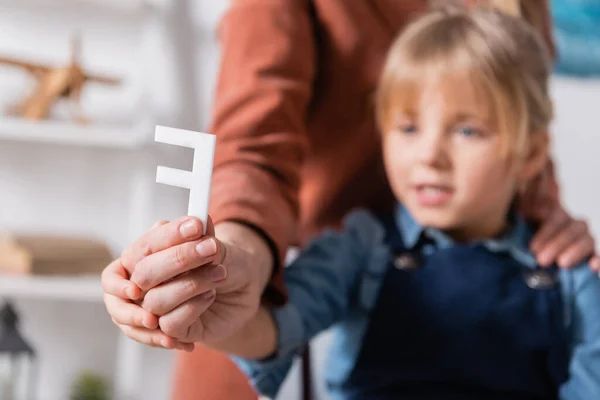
point(198, 179)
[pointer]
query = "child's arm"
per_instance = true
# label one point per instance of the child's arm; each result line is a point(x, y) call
point(322, 283)
point(584, 369)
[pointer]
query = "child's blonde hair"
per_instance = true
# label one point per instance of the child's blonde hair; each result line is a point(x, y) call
point(502, 55)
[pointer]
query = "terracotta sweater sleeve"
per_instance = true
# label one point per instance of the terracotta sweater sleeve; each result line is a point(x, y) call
point(263, 91)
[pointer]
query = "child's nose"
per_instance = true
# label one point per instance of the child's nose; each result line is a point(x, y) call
point(433, 150)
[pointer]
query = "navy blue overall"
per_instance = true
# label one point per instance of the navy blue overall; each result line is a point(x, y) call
point(461, 325)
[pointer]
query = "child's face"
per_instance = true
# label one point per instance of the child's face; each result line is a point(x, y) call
point(445, 162)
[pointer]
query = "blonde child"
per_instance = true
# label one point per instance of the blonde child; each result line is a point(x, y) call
point(441, 299)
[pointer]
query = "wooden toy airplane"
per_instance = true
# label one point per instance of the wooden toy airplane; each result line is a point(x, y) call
point(54, 83)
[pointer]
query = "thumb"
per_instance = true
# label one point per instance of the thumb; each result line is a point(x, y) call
point(235, 260)
point(221, 246)
point(210, 227)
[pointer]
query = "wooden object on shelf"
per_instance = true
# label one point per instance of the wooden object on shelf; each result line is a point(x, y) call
point(52, 255)
point(198, 180)
point(54, 83)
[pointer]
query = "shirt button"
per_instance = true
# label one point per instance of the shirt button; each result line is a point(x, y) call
point(541, 279)
point(406, 262)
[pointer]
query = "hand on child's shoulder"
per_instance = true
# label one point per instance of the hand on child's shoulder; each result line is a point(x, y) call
point(582, 277)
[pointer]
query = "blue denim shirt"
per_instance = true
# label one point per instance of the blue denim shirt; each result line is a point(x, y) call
point(338, 276)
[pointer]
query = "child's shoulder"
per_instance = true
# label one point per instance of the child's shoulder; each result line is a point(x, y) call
point(361, 227)
point(365, 225)
point(580, 276)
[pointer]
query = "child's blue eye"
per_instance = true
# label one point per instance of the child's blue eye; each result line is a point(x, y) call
point(468, 131)
point(408, 129)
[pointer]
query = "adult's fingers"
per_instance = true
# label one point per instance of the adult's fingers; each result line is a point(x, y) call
point(571, 234)
point(557, 220)
point(177, 323)
point(577, 252)
point(169, 263)
point(162, 236)
point(166, 297)
point(154, 338)
point(595, 263)
point(159, 223)
point(114, 281)
point(124, 312)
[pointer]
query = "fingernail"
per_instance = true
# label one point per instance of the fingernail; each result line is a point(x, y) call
point(564, 263)
point(163, 343)
point(189, 229)
point(206, 248)
point(217, 273)
point(210, 294)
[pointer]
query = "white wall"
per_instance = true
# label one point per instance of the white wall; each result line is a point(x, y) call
point(54, 188)
point(576, 135)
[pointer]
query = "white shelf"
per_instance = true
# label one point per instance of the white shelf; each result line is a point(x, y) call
point(66, 133)
point(119, 5)
point(126, 6)
point(70, 288)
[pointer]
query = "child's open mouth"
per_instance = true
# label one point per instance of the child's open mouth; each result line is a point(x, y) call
point(433, 195)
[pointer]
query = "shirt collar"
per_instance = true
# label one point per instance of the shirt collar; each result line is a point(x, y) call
point(514, 242)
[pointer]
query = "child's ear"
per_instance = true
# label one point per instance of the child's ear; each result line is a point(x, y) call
point(537, 157)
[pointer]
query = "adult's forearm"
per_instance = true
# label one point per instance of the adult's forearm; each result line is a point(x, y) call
point(256, 340)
